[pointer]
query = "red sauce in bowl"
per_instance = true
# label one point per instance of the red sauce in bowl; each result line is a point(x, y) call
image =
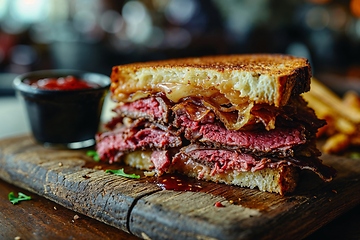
point(62, 83)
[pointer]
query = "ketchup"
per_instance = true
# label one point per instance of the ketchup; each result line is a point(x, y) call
point(62, 83)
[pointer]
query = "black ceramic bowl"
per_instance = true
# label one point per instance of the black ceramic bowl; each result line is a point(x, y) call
point(67, 118)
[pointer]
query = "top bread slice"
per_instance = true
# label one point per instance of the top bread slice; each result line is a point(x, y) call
point(259, 78)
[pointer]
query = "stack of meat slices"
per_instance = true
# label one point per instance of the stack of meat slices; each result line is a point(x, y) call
point(187, 137)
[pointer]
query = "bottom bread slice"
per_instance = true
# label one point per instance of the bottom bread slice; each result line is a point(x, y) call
point(282, 179)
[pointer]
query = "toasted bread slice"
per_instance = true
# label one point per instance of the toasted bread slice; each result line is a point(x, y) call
point(241, 79)
point(282, 179)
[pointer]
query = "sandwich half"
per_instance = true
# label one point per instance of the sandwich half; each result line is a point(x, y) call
point(237, 119)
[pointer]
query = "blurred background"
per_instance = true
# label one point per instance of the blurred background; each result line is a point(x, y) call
point(95, 35)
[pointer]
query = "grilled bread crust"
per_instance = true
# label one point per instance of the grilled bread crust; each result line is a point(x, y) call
point(258, 78)
point(282, 179)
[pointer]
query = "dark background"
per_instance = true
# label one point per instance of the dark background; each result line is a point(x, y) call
point(95, 35)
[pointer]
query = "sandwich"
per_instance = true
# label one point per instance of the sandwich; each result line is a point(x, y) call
point(236, 119)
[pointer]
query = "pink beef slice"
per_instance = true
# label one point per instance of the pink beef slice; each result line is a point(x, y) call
point(278, 139)
point(111, 145)
point(220, 160)
point(264, 141)
point(152, 108)
point(161, 161)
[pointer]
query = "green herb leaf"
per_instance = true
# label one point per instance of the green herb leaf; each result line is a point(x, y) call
point(94, 155)
point(355, 155)
point(120, 172)
point(21, 197)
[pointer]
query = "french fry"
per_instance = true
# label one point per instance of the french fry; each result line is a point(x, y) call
point(321, 109)
point(352, 99)
point(331, 99)
point(344, 126)
point(342, 117)
point(336, 143)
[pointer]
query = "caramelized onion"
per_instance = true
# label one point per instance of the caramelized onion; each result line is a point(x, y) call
point(198, 109)
point(137, 95)
point(233, 120)
point(234, 115)
point(194, 111)
point(175, 92)
point(266, 114)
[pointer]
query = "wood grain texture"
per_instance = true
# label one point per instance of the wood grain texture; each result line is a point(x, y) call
point(140, 207)
point(43, 219)
point(61, 176)
point(256, 215)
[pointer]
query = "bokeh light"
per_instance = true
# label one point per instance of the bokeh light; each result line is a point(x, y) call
point(317, 18)
point(111, 21)
point(23, 55)
point(355, 7)
point(138, 21)
point(174, 16)
point(113, 31)
point(29, 11)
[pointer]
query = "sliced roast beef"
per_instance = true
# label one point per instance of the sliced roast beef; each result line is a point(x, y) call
point(194, 128)
point(279, 140)
point(298, 112)
point(154, 109)
point(161, 161)
point(221, 160)
point(138, 136)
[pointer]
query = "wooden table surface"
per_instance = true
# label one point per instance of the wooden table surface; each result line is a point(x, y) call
point(44, 219)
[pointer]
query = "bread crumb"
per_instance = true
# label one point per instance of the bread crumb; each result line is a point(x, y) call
point(17, 238)
point(55, 208)
point(60, 164)
point(149, 174)
point(76, 217)
point(144, 236)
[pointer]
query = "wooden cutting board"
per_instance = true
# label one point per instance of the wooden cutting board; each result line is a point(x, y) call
point(142, 208)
